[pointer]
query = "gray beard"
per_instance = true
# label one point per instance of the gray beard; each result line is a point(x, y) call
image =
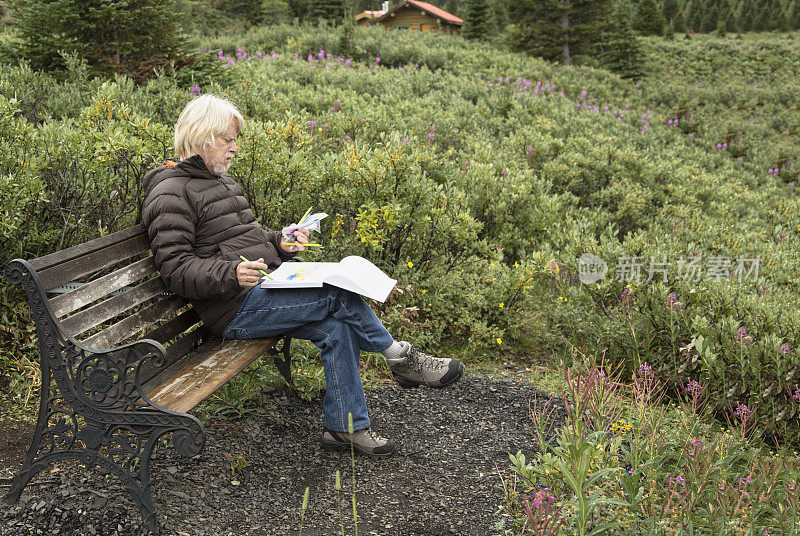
point(219, 168)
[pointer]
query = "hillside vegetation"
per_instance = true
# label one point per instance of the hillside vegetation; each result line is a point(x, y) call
point(478, 178)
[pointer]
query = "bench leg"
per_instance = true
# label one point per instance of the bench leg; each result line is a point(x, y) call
point(284, 364)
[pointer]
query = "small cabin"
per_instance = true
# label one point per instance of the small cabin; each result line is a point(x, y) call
point(417, 16)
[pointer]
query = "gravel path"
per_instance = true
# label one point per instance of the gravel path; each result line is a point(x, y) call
point(444, 481)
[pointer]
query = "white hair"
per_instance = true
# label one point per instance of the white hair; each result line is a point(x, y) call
point(204, 118)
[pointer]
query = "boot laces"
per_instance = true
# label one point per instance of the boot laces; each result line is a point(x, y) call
point(370, 433)
point(419, 360)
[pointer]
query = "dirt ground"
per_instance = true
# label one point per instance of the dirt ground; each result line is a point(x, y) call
point(251, 476)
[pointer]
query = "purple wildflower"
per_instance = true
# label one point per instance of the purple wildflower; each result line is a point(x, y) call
point(742, 337)
point(785, 347)
point(742, 412)
point(195, 89)
point(694, 388)
point(377, 59)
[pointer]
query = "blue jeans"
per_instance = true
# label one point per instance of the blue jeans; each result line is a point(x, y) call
point(341, 324)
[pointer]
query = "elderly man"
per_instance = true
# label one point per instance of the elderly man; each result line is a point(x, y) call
point(200, 226)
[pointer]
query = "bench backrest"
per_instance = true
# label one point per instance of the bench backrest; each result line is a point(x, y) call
point(109, 293)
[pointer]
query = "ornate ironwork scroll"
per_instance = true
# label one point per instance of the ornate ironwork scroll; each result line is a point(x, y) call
point(93, 408)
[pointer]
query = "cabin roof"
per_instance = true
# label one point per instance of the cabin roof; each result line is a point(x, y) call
point(430, 9)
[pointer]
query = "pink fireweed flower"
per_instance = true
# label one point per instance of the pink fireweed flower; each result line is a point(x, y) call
point(195, 90)
point(274, 55)
point(645, 371)
point(796, 394)
point(742, 412)
point(742, 337)
point(694, 388)
point(696, 442)
point(785, 347)
point(377, 59)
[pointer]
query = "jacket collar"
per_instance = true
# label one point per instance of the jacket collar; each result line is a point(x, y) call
point(195, 166)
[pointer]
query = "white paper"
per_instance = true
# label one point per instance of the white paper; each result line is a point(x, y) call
point(352, 273)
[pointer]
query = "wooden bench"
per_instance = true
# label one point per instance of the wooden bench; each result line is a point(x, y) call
point(143, 361)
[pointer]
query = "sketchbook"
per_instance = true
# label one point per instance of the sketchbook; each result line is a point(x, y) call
point(352, 273)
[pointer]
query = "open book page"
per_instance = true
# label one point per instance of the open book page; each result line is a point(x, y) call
point(352, 273)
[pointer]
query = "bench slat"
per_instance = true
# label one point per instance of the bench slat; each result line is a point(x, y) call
point(59, 257)
point(102, 286)
point(91, 317)
point(97, 260)
point(174, 327)
point(137, 322)
point(185, 384)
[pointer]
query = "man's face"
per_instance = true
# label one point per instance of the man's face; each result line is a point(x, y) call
point(218, 156)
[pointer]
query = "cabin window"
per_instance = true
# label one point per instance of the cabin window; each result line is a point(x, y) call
point(425, 27)
point(401, 26)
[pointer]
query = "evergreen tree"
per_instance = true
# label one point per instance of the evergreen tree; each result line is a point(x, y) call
point(794, 14)
point(679, 21)
point(694, 15)
point(539, 28)
point(747, 16)
point(649, 20)
point(275, 12)
point(478, 19)
point(127, 37)
point(330, 11)
point(729, 17)
point(500, 11)
point(709, 20)
point(763, 20)
point(669, 31)
point(669, 9)
point(623, 53)
point(558, 30)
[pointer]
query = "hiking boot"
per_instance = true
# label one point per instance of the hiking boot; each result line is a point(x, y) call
point(364, 441)
point(419, 368)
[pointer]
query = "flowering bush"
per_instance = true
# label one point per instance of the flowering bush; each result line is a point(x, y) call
point(491, 173)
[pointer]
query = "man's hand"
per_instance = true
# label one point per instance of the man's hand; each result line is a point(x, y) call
point(247, 272)
point(302, 238)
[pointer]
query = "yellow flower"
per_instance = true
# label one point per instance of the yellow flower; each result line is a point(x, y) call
point(424, 291)
point(500, 305)
point(410, 264)
point(499, 340)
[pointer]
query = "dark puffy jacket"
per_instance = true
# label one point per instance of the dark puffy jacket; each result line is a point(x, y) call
point(199, 224)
